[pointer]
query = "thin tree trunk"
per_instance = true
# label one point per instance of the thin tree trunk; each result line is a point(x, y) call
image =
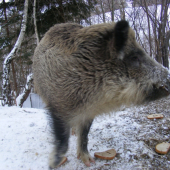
point(111, 8)
point(12, 63)
point(35, 23)
point(154, 27)
point(162, 55)
point(14, 79)
point(165, 50)
point(112, 12)
point(8, 86)
point(122, 9)
point(27, 90)
point(164, 21)
point(29, 81)
point(12, 55)
point(101, 3)
point(61, 11)
point(90, 4)
point(7, 30)
point(149, 29)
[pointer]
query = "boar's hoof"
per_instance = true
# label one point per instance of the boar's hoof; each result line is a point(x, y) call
point(55, 160)
point(86, 158)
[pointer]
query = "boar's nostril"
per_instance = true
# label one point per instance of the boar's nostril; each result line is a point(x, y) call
point(161, 88)
point(164, 88)
point(154, 87)
point(158, 92)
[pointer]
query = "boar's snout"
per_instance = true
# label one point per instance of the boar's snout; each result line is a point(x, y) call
point(161, 90)
point(166, 86)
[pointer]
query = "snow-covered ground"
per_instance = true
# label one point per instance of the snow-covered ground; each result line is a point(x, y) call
point(26, 140)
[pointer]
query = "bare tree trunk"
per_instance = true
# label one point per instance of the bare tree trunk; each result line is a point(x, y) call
point(159, 31)
point(8, 86)
point(12, 55)
point(103, 12)
point(27, 90)
point(61, 11)
point(164, 18)
point(12, 63)
point(35, 23)
point(28, 87)
point(122, 9)
point(166, 49)
point(90, 4)
point(112, 12)
point(111, 8)
point(162, 55)
point(154, 27)
point(149, 30)
point(14, 79)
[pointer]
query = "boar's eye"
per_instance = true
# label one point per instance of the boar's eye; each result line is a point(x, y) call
point(135, 59)
point(132, 61)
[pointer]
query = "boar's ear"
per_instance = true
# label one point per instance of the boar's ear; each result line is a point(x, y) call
point(121, 34)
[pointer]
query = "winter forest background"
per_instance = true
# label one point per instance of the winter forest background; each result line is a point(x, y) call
point(149, 18)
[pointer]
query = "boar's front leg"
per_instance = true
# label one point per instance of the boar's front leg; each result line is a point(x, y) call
point(61, 131)
point(82, 151)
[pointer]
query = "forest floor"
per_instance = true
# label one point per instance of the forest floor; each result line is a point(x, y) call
point(26, 139)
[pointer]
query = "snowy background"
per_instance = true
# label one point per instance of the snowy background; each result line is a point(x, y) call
point(26, 140)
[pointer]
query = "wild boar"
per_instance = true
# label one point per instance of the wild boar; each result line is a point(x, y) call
point(81, 72)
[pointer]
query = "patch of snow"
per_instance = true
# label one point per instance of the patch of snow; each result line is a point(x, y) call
point(26, 140)
point(18, 99)
point(32, 101)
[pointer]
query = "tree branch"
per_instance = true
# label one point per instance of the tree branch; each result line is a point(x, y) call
point(5, 87)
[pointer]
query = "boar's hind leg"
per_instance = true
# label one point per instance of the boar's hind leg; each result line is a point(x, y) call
point(61, 131)
point(82, 151)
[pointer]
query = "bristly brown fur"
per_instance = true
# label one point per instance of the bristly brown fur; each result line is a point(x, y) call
point(83, 72)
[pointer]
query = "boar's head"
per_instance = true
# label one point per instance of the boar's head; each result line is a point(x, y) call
point(141, 78)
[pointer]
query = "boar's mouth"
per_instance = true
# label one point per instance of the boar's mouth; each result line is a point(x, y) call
point(158, 92)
